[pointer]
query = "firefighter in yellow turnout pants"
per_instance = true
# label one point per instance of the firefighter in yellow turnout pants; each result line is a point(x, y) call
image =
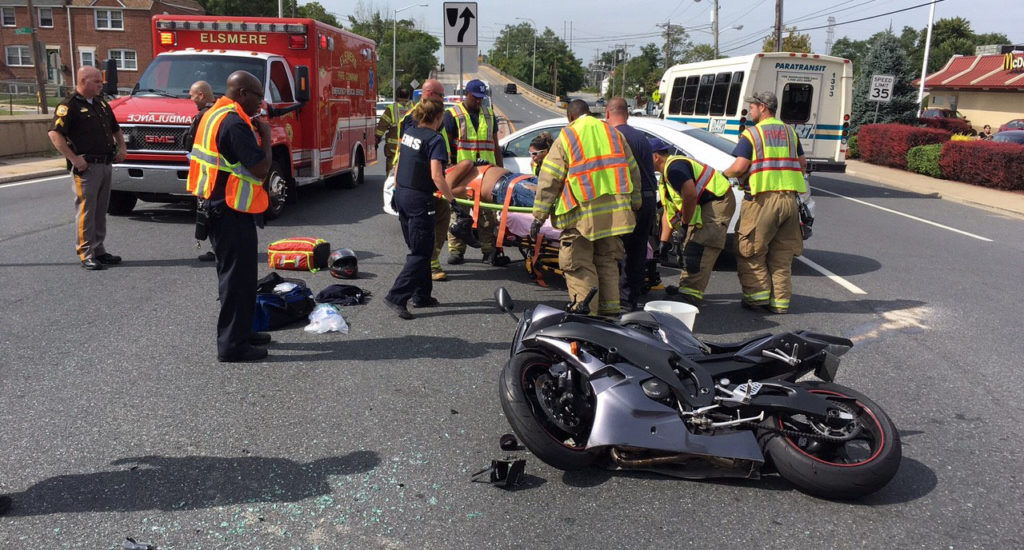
point(389, 124)
point(696, 195)
point(768, 235)
point(587, 182)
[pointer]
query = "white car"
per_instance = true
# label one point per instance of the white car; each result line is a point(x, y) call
point(713, 150)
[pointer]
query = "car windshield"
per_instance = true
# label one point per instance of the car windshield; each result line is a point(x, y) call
point(1009, 137)
point(713, 140)
point(175, 74)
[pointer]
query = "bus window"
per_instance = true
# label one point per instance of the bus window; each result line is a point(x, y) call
point(676, 99)
point(735, 91)
point(690, 94)
point(796, 103)
point(720, 94)
point(707, 84)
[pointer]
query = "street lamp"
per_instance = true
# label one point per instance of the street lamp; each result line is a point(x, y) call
point(394, 50)
point(533, 74)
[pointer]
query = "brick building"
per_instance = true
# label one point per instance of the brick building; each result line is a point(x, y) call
point(99, 29)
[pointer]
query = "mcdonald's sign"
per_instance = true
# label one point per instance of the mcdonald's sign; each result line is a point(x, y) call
point(1013, 62)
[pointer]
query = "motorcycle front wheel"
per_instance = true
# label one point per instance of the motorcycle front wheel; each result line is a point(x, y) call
point(553, 422)
point(862, 463)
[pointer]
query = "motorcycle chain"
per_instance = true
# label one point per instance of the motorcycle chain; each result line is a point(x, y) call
point(795, 433)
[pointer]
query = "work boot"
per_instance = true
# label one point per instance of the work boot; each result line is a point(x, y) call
point(455, 258)
point(663, 251)
point(495, 258)
point(438, 275)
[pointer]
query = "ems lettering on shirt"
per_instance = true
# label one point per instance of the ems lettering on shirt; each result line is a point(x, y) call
point(411, 142)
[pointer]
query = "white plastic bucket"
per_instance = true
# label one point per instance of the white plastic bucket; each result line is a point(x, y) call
point(686, 313)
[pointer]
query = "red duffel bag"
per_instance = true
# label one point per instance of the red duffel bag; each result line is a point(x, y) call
point(299, 254)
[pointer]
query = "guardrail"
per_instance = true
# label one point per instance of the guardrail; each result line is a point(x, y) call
point(522, 86)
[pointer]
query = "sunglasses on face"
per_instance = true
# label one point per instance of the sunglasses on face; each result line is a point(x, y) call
point(535, 153)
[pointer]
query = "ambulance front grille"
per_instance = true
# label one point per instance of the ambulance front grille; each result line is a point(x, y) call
point(155, 139)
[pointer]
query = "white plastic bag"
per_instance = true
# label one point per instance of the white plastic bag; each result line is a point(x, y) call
point(389, 193)
point(326, 318)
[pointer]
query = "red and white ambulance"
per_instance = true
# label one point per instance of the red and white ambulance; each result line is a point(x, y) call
point(320, 91)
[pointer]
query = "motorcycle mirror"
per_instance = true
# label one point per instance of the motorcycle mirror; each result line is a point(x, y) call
point(505, 302)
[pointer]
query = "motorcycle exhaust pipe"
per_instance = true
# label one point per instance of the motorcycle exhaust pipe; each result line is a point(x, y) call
point(720, 462)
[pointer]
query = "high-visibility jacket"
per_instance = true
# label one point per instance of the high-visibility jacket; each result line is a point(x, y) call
point(473, 143)
point(243, 192)
point(389, 123)
point(705, 178)
point(775, 163)
point(597, 163)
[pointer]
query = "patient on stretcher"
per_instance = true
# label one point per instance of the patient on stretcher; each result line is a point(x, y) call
point(493, 182)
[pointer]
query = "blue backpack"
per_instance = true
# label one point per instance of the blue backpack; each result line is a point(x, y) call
point(275, 310)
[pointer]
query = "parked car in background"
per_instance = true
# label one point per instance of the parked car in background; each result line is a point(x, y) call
point(382, 106)
point(1010, 136)
point(601, 101)
point(1015, 124)
point(511, 88)
point(943, 113)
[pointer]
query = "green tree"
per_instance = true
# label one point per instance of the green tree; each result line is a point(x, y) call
point(315, 10)
point(792, 42)
point(558, 71)
point(699, 52)
point(885, 57)
point(950, 36)
point(415, 55)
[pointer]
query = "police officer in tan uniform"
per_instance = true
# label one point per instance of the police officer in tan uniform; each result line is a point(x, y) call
point(85, 132)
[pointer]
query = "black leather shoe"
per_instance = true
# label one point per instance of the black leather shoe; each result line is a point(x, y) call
point(92, 265)
point(5, 504)
point(402, 311)
point(250, 354)
point(207, 257)
point(108, 259)
point(259, 339)
point(429, 302)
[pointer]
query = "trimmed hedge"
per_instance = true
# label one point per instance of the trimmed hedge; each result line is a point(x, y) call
point(888, 144)
point(924, 159)
point(852, 149)
point(955, 125)
point(983, 162)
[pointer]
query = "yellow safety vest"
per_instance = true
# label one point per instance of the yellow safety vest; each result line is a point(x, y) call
point(704, 177)
point(473, 143)
point(244, 192)
point(597, 163)
point(775, 163)
point(396, 112)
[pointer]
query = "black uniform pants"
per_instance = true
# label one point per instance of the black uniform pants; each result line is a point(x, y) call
point(635, 266)
point(416, 213)
point(233, 236)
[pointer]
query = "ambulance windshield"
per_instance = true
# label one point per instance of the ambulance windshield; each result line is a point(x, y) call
point(174, 74)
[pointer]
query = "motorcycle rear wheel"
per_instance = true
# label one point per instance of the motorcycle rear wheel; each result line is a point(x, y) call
point(835, 470)
point(531, 424)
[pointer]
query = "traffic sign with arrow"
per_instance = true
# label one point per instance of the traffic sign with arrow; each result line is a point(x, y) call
point(460, 28)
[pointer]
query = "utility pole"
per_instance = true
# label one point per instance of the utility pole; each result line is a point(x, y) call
point(39, 59)
point(778, 25)
point(668, 35)
point(714, 25)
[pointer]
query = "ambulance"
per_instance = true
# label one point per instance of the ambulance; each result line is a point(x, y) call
point(320, 91)
point(815, 96)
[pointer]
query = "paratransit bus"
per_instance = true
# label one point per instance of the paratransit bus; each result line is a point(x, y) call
point(815, 96)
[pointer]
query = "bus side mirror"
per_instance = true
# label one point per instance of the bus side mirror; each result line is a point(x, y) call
point(110, 77)
point(302, 83)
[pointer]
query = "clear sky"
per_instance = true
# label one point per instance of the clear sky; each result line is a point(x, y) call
point(599, 24)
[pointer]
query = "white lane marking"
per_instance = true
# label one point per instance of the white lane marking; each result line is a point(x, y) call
point(891, 211)
point(20, 183)
point(835, 278)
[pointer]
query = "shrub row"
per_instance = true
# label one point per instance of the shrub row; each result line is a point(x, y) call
point(852, 149)
point(955, 125)
point(888, 144)
point(984, 163)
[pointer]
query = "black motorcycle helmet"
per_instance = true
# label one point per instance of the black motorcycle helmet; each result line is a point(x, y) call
point(343, 264)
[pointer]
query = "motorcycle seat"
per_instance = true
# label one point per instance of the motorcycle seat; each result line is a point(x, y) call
point(729, 348)
point(642, 318)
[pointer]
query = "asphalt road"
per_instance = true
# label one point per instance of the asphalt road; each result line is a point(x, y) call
point(116, 419)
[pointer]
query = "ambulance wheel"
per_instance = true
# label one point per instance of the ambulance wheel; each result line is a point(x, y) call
point(121, 203)
point(277, 189)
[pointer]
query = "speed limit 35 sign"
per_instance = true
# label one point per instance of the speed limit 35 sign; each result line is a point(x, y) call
point(881, 88)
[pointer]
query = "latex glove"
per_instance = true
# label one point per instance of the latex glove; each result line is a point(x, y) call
point(535, 228)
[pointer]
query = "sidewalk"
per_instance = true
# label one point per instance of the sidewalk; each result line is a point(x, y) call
point(1006, 202)
point(26, 168)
